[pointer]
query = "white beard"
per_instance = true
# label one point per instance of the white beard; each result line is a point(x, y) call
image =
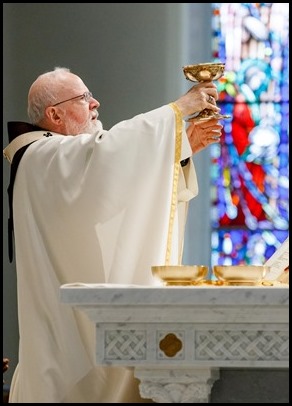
point(97, 127)
point(92, 127)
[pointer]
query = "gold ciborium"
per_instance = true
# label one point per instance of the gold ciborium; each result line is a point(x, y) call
point(171, 275)
point(203, 72)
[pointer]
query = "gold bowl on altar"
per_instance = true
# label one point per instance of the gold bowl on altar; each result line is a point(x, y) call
point(240, 274)
point(172, 275)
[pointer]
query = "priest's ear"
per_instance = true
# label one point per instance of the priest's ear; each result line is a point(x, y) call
point(54, 115)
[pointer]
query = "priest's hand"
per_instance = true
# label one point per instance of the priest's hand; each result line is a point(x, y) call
point(201, 96)
point(203, 132)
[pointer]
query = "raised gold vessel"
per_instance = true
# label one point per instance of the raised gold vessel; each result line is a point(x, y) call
point(203, 72)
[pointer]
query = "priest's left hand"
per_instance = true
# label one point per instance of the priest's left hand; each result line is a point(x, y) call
point(202, 133)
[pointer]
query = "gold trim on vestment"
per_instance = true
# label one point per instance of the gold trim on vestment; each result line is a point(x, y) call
point(177, 157)
point(21, 141)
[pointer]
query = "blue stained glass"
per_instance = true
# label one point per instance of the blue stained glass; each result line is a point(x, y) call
point(250, 168)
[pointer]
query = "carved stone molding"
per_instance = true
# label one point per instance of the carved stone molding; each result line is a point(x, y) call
point(125, 344)
point(238, 344)
point(176, 338)
point(176, 385)
point(191, 343)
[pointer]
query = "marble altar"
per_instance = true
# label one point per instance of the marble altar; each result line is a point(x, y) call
point(178, 337)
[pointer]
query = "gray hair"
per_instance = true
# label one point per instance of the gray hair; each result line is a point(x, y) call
point(44, 92)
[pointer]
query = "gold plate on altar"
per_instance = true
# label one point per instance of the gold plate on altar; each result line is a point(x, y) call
point(241, 275)
point(176, 275)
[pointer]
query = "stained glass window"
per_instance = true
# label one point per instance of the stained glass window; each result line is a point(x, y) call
point(249, 168)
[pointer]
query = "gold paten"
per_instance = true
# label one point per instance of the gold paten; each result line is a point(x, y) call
point(180, 274)
point(240, 274)
point(203, 72)
point(170, 345)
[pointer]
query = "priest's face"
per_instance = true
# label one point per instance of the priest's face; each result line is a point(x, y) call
point(81, 117)
point(77, 108)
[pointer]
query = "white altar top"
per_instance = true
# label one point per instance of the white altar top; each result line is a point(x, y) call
point(178, 337)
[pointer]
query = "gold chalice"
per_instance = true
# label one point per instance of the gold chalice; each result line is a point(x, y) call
point(203, 72)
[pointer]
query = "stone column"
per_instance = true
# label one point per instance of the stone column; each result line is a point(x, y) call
point(179, 385)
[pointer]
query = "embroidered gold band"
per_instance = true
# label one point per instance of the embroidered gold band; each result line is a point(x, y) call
point(20, 142)
point(177, 156)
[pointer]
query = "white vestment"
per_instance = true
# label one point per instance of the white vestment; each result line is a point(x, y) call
point(91, 209)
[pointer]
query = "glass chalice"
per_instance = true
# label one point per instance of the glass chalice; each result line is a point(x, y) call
point(203, 72)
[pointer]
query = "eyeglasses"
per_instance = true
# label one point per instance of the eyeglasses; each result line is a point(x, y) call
point(85, 96)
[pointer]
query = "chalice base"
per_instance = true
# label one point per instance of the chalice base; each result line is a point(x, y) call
point(207, 114)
